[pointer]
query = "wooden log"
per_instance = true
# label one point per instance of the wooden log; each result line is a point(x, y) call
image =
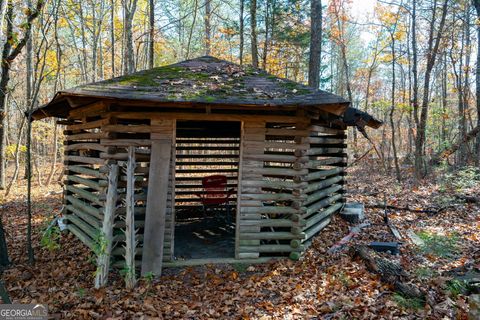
point(280, 235)
point(159, 173)
point(323, 173)
point(273, 184)
point(87, 136)
point(126, 142)
point(82, 236)
point(97, 185)
point(87, 125)
point(313, 186)
point(321, 151)
point(323, 203)
point(81, 159)
point(92, 220)
point(85, 194)
point(319, 140)
point(316, 218)
point(327, 130)
point(283, 172)
point(82, 225)
point(103, 260)
point(85, 146)
point(316, 228)
point(272, 209)
point(270, 196)
point(266, 222)
point(86, 171)
point(130, 231)
point(85, 207)
point(322, 193)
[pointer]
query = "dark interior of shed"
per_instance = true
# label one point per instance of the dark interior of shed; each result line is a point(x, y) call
point(203, 149)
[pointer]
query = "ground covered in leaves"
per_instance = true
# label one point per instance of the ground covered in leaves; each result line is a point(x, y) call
point(321, 285)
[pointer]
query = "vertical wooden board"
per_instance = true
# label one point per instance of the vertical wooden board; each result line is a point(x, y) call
point(158, 185)
point(103, 262)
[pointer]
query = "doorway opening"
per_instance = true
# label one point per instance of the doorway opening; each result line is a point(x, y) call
point(206, 182)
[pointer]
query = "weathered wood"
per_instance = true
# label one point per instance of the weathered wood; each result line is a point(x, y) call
point(87, 125)
point(92, 232)
point(81, 235)
point(313, 186)
point(315, 229)
point(87, 136)
point(322, 193)
point(322, 203)
point(103, 260)
point(274, 248)
point(130, 231)
point(92, 220)
point(85, 194)
point(270, 235)
point(88, 160)
point(153, 246)
point(85, 207)
point(86, 170)
point(97, 185)
point(86, 146)
point(323, 173)
point(314, 219)
point(266, 222)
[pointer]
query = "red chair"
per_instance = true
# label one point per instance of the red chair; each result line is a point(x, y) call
point(215, 192)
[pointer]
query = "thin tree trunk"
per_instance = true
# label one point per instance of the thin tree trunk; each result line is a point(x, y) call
point(315, 44)
point(242, 31)
point(392, 110)
point(17, 158)
point(129, 8)
point(151, 39)
point(476, 3)
point(207, 20)
point(433, 45)
point(112, 35)
point(253, 32)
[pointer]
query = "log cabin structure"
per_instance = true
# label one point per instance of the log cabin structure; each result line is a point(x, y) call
point(137, 147)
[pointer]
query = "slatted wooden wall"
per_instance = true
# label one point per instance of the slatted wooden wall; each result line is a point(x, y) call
point(85, 174)
point(326, 159)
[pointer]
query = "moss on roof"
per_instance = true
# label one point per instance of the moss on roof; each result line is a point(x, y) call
point(205, 80)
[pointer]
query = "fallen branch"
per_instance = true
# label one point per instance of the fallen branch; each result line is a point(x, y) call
point(390, 272)
point(437, 158)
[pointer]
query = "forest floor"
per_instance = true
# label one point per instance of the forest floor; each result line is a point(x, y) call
point(321, 285)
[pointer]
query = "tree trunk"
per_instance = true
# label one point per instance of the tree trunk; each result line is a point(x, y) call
point(54, 160)
point(476, 3)
point(253, 32)
point(392, 110)
point(242, 31)
point(9, 54)
point(207, 19)
point(315, 44)
point(151, 42)
point(433, 45)
point(129, 8)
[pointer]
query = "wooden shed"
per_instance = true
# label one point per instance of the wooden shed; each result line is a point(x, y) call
point(138, 146)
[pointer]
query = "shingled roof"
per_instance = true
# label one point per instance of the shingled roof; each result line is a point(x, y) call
point(204, 80)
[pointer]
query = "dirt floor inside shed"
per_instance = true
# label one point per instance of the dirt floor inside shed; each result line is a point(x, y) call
point(321, 285)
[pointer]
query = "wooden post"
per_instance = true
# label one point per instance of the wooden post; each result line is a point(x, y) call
point(130, 232)
point(103, 262)
point(162, 140)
